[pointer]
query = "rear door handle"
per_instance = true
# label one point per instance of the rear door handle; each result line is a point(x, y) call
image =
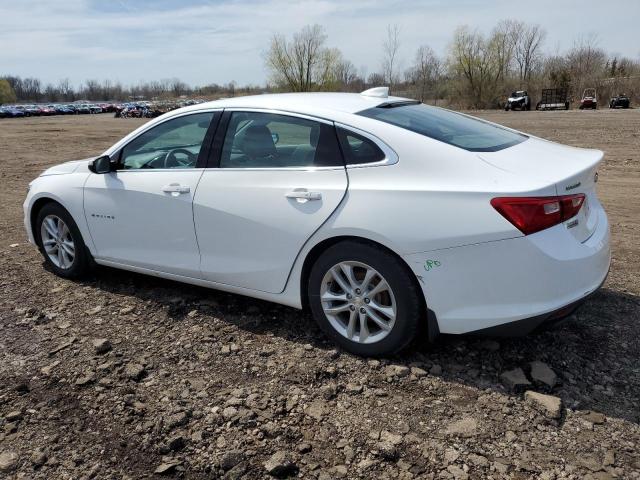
point(304, 195)
point(176, 189)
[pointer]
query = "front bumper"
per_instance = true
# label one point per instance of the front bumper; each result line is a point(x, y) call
point(536, 277)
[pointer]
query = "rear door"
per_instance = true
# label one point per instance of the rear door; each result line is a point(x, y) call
point(278, 178)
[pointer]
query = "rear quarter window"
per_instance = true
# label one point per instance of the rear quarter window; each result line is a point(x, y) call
point(358, 150)
point(446, 126)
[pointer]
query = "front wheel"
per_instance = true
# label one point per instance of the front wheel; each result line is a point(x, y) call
point(364, 299)
point(60, 242)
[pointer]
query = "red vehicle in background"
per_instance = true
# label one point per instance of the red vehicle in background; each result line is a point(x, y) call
point(589, 99)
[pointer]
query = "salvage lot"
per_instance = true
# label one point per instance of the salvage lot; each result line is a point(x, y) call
point(201, 384)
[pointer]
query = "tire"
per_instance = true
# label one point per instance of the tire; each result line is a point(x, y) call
point(402, 294)
point(81, 261)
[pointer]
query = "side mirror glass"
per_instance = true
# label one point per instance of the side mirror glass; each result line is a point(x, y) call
point(275, 137)
point(101, 165)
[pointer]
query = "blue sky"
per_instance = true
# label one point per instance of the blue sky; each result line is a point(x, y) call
point(206, 41)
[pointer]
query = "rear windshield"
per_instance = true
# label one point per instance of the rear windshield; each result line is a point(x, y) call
point(446, 126)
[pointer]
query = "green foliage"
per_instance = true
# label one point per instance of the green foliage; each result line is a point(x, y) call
point(7, 95)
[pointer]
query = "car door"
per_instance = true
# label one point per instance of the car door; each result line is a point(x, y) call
point(141, 214)
point(278, 179)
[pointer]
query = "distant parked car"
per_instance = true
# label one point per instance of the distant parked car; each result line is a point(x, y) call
point(12, 112)
point(31, 110)
point(589, 99)
point(518, 100)
point(48, 110)
point(2, 112)
point(620, 101)
point(95, 108)
point(64, 110)
point(82, 108)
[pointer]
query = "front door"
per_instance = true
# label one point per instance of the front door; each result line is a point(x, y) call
point(142, 214)
point(279, 179)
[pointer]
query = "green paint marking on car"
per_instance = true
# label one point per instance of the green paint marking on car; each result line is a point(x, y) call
point(430, 264)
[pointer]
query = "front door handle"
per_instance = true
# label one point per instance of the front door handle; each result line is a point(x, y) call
point(176, 189)
point(302, 195)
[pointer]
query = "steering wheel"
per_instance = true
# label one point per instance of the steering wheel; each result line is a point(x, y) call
point(172, 161)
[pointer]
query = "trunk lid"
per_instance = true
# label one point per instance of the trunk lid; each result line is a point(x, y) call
point(571, 170)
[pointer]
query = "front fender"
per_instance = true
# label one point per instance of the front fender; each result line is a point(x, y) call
point(68, 191)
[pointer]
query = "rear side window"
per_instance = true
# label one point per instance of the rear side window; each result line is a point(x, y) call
point(358, 149)
point(446, 126)
point(267, 140)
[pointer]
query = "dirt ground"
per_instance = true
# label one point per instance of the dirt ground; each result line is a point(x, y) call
point(195, 383)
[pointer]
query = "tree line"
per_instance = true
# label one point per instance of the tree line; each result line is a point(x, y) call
point(478, 70)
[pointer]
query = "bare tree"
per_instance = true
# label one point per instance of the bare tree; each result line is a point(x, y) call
point(390, 48)
point(528, 41)
point(426, 71)
point(302, 64)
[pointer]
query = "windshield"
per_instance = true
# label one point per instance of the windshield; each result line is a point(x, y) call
point(446, 126)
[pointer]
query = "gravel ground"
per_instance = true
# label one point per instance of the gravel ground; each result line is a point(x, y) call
point(126, 376)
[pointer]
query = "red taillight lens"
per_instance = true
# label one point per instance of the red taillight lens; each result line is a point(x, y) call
point(532, 214)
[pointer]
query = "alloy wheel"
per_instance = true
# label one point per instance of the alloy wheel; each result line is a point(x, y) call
point(57, 241)
point(358, 302)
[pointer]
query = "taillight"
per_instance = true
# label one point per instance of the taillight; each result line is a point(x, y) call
point(532, 214)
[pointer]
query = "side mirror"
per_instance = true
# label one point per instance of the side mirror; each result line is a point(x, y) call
point(101, 165)
point(275, 137)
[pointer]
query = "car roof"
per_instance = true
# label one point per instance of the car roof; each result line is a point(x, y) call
point(316, 103)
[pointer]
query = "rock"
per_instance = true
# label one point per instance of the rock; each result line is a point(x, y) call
point(126, 310)
point(101, 346)
point(387, 451)
point(177, 420)
point(465, 427)
point(49, 368)
point(13, 416)
point(515, 379)
point(542, 373)
point(595, 417)
point(609, 458)
point(435, 370)
point(353, 388)
point(399, 371)
point(418, 372)
point(281, 465)
point(231, 459)
point(392, 438)
point(549, 405)
point(166, 468)
point(451, 455)
point(135, 371)
point(304, 447)
point(229, 412)
point(176, 443)
point(8, 461)
point(315, 410)
point(478, 460)
point(86, 379)
point(457, 472)
point(94, 311)
point(38, 458)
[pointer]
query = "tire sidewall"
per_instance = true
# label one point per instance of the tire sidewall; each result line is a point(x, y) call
point(407, 302)
point(80, 261)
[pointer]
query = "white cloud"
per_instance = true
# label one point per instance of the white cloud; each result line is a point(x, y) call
point(203, 41)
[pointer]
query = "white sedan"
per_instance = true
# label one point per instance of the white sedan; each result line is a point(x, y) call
point(379, 214)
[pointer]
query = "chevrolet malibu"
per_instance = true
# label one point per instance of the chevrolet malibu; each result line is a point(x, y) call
point(381, 215)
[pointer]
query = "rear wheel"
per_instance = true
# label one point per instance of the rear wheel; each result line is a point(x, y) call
point(364, 299)
point(60, 242)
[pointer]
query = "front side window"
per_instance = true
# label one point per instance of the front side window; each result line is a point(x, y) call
point(172, 144)
point(268, 140)
point(446, 126)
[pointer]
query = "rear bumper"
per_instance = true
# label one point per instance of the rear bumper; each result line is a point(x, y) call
point(522, 281)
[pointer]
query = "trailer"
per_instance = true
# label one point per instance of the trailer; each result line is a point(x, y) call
point(554, 99)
